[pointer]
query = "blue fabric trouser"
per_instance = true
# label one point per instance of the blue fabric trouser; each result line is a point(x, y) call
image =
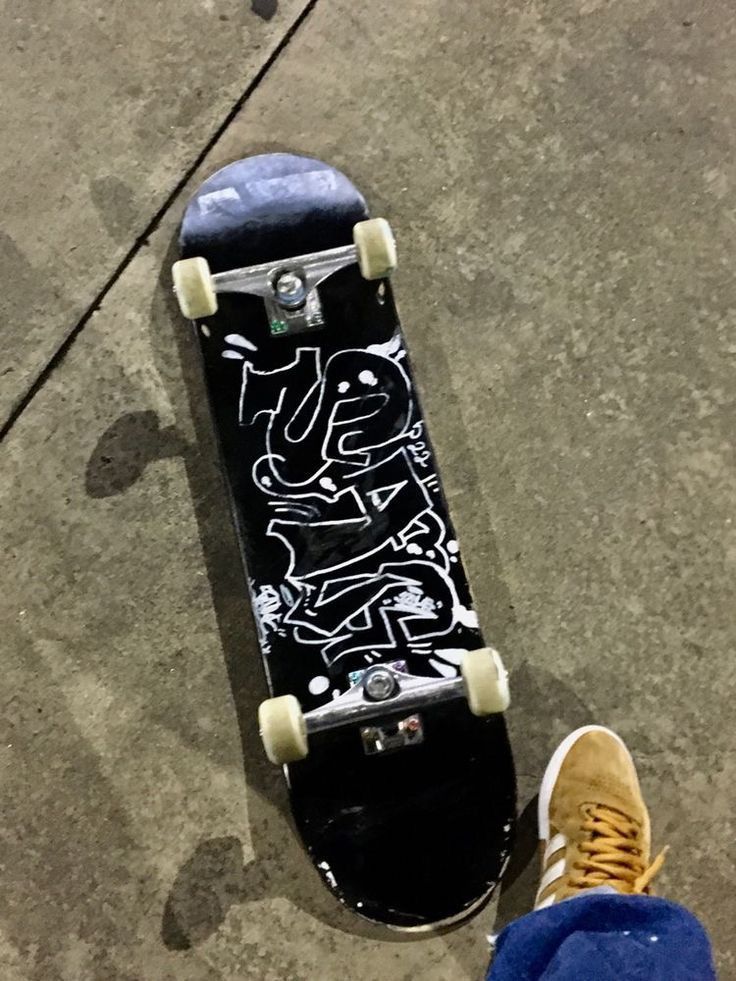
point(602, 936)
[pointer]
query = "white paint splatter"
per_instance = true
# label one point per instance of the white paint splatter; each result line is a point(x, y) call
point(452, 654)
point(319, 684)
point(413, 549)
point(267, 603)
point(412, 598)
point(335, 692)
point(325, 866)
point(446, 670)
point(343, 387)
point(453, 547)
point(266, 481)
point(388, 349)
point(368, 378)
point(654, 939)
point(468, 618)
point(237, 340)
point(327, 483)
point(205, 330)
point(235, 355)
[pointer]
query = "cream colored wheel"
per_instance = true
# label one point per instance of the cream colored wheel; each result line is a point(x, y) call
point(194, 289)
point(486, 681)
point(283, 730)
point(376, 247)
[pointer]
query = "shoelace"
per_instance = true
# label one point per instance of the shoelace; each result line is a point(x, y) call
point(612, 855)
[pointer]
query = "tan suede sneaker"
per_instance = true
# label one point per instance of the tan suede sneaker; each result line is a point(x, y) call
point(593, 823)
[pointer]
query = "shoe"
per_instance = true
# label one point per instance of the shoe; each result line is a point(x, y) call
point(593, 823)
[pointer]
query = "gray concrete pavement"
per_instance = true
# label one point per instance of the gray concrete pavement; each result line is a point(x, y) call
point(562, 185)
point(104, 108)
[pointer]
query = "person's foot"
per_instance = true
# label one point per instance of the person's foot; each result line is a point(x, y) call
point(593, 823)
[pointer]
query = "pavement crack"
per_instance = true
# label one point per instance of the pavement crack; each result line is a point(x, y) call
point(141, 240)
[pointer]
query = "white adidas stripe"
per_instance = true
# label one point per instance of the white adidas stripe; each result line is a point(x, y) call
point(555, 843)
point(554, 872)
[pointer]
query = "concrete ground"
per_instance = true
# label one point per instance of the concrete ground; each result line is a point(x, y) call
point(561, 179)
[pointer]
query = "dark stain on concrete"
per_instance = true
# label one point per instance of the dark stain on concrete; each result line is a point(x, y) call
point(264, 8)
point(24, 292)
point(115, 204)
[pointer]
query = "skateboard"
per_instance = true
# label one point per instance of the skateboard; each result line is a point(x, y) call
point(385, 705)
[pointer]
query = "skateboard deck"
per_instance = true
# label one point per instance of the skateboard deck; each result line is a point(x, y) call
point(351, 558)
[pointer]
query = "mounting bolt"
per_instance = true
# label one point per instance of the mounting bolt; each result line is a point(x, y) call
point(289, 290)
point(379, 684)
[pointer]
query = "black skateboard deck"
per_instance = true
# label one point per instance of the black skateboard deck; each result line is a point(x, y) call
point(350, 554)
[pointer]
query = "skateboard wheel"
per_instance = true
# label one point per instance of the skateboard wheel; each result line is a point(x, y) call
point(486, 681)
point(283, 730)
point(194, 289)
point(376, 247)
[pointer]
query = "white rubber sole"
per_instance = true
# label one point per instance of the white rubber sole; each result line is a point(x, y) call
point(553, 771)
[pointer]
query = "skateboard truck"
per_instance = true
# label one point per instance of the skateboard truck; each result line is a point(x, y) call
point(380, 690)
point(288, 287)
